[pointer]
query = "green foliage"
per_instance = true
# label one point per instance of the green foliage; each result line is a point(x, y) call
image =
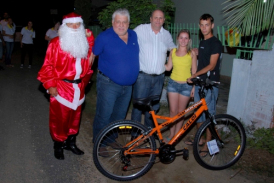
point(140, 11)
point(83, 8)
point(250, 16)
point(263, 138)
point(168, 8)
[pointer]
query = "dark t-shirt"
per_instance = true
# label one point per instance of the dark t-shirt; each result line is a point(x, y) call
point(207, 48)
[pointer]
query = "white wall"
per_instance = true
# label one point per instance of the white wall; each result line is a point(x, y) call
point(251, 96)
point(239, 87)
point(189, 11)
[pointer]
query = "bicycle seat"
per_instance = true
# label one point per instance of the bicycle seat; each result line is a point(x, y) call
point(146, 101)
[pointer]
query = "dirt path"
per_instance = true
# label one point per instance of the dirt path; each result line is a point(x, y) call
point(27, 150)
point(179, 171)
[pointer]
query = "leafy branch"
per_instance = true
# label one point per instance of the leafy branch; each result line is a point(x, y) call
point(140, 11)
point(250, 16)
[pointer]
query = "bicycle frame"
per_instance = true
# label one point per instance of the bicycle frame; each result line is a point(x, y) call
point(202, 107)
point(136, 149)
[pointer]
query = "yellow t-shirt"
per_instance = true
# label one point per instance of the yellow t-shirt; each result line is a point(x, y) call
point(181, 67)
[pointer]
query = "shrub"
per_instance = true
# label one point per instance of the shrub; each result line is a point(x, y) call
point(140, 11)
point(263, 138)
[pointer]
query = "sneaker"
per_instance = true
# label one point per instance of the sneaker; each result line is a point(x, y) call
point(21, 66)
point(29, 66)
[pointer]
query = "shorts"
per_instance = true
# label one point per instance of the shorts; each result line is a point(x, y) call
point(181, 88)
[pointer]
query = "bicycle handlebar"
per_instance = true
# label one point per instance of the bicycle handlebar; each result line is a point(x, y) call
point(205, 83)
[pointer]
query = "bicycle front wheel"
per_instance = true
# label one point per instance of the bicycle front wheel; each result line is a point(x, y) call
point(110, 144)
point(227, 149)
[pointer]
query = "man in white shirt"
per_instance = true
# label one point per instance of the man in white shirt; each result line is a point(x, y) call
point(4, 22)
point(154, 42)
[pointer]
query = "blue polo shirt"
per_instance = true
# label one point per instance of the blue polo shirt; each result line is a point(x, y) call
point(117, 60)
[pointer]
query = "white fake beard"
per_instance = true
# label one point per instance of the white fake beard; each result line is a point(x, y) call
point(74, 41)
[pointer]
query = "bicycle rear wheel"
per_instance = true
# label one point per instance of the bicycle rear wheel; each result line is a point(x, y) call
point(230, 147)
point(112, 162)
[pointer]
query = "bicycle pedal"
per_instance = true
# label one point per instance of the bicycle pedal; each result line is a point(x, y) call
point(185, 154)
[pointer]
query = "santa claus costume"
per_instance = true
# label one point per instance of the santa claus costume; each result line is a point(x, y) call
point(67, 69)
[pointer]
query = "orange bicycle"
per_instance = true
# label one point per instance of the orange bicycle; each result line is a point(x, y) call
point(126, 150)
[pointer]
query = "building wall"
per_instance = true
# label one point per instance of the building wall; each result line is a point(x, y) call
point(190, 12)
point(251, 96)
point(239, 87)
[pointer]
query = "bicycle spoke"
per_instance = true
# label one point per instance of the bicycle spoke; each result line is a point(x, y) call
point(231, 133)
point(116, 165)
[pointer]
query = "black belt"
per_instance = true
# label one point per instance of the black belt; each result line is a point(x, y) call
point(76, 81)
point(150, 74)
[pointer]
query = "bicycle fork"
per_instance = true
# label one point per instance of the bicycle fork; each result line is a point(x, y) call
point(213, 130)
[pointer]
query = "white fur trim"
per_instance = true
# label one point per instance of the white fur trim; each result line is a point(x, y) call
point(75, 102)
point(68, 104)
point(73, 20)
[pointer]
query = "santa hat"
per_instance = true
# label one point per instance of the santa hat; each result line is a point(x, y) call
point(72, 18)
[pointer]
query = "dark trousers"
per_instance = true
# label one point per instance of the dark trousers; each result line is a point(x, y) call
point(145, 86)
point(9, 50)
point(27, 48)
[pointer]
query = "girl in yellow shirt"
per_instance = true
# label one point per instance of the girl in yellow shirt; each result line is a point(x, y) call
point(183, 62)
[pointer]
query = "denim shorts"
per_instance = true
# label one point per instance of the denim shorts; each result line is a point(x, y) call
point(181, 88)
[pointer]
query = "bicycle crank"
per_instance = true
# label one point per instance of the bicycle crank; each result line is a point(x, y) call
point(167, 154)
point(185, 153)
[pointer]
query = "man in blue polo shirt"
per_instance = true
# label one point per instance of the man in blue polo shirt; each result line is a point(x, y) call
point(118, 69)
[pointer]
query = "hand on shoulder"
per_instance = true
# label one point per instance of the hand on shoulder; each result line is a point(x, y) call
point(195, 51)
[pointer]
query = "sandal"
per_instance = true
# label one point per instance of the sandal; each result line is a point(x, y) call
point(206, 152)
point(167, 139)
point(189, 142)
point(203, 142)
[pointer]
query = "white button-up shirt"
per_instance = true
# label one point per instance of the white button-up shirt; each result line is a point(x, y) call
point(153, 48)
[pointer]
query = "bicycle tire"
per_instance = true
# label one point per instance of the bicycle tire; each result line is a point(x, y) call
point(113, 165)
point(232, 133)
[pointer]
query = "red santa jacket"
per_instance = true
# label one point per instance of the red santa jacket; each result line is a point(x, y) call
point(59, 65)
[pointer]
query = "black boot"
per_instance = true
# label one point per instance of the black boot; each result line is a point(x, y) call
point(58, 150)
point(71, 145)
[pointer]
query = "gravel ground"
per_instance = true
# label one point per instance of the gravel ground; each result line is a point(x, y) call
point(26, 153)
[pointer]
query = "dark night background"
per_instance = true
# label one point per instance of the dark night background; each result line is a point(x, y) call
point(39, 12)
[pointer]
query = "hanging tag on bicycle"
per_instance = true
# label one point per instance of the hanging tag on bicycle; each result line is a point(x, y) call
point(212, 147)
